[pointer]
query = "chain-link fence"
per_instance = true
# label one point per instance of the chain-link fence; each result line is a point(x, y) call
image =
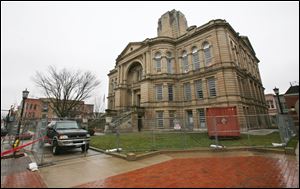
point(25, 135)
point(181, 133)
point(286, 127)
point(68, 144)
point(138, 134)
point(34, 141)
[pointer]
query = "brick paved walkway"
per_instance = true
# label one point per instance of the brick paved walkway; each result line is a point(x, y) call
point(14, 174)
point(25, 179)
point(244, 172)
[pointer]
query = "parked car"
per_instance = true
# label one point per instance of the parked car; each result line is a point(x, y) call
point(66, 134)
point(25, 136)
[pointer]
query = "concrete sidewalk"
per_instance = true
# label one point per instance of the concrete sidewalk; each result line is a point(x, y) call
point(168, 170)
point(103, 170)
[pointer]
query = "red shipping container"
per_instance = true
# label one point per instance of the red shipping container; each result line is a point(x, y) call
point(222, 121)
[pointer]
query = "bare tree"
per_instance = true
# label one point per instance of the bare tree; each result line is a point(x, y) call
point(65, 89)
point(99, 106)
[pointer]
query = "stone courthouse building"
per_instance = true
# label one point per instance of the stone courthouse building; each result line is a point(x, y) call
point(185, 71)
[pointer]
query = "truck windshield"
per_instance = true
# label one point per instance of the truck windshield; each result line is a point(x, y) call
point(66, 125)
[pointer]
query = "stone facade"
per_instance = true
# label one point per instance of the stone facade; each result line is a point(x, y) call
point(186, 70)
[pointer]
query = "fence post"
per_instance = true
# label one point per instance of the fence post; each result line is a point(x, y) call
point(43, 125)
point(153, 139)
point(184, 137)
point(87, 129)
point(248, 135)
point(216, 134)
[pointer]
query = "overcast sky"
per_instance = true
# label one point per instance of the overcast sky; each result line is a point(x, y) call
point(90, 35)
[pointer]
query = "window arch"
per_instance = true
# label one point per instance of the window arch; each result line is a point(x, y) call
point(207, 53)
point(169, 62)
point(157, 58)
point(195, 58)
point(169, 54)
point(185, 64)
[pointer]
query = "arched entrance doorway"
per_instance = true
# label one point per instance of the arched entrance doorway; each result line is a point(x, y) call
point(134, 76)
point(133, 101)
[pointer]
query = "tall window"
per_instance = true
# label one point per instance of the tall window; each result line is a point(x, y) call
point(160, 119)
point(212, 86)
point(159, 95)
point(45, 107)
point(172, 114)
point(158, 62)
point(207, 53)
point(185, 64)
point(195, 58)
point(272, 104)
point(201, 117)
point(198, 87)
point(112, 85)
point(170, 92)
point(115, 83)
point(139, 74)
point(187, 91)
point(169, 63)
point(269, 102)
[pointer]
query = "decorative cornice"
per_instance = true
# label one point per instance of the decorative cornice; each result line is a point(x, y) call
point(212, 24)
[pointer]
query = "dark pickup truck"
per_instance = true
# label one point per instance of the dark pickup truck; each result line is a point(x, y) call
point(65, 134)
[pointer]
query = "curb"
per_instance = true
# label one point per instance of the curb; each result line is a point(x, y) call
point(133, 157)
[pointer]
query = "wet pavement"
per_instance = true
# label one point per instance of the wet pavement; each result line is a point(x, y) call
point(171, 170)
point(176, 170)
point(14, 174)
point(213, 172)
point(83, 170)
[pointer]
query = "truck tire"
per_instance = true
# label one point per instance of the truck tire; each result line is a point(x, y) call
point(85, 148)
point(55, 148)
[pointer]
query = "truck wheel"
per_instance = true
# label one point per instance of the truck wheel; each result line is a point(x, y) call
point(55, 149)
point(85, 148)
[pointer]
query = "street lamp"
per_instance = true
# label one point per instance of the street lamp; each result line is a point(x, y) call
point(276, 91)
point(25, 95)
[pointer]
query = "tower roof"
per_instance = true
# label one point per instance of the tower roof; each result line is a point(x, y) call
point(172, 24)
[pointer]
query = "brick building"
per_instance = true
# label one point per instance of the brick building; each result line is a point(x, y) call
point(291, 96)
point(184, 71)
point(32, 108)
point(272, 107)
point(41, 109)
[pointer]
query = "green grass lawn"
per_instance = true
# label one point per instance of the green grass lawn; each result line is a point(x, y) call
point(293, 142)
point(147, 141)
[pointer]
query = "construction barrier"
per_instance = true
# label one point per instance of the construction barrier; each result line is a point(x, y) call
point(17, 148)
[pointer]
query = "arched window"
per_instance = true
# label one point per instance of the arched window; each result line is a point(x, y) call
point(139, 72)
point(207, 53)
point(135, 73)
point(112, 85)
point(185, 64)
point(158, 61)
point(195, 58)
point(169, 63)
